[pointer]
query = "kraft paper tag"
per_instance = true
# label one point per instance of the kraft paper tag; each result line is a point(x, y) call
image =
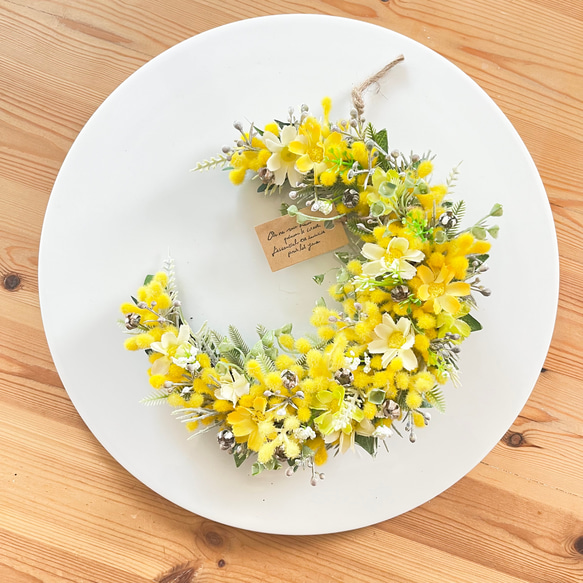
point(285, 242)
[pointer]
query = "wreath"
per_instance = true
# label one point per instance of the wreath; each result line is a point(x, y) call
point(382, 350)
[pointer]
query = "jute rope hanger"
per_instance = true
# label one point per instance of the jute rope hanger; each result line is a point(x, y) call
point(358, 91)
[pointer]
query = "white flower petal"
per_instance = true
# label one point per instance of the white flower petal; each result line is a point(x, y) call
point(274, 162)
point(373, 268)
point(404, 326)
point(389, 355)
point(288, 133)
point(373, 251)
point(388, 321)
point(279, 175)
point(409, 359)
point(160, 366)
point(294, 176)
point(377, 346)
point(184, 334)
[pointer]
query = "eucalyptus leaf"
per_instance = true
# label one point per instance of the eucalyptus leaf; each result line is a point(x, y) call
point(376, 396)
point(493, 231)
point(478, 233)
point(268, 339)
point(497, 210)
point(148, 279)
point(439, 237)
point(378, 208)
point(342, 276)
point(286, 329)
point(387, 188)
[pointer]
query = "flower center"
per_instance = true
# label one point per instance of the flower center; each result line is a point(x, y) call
point(396, 340)
point(316, 154)
point(436, 290)
point(395, 254)
point(287, 156)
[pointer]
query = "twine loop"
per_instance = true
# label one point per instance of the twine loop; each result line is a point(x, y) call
point(358, 91)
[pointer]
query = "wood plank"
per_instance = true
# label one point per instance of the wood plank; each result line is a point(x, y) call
point(69, 512)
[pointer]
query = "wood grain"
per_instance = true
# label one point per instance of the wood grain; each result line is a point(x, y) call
point(70, 513)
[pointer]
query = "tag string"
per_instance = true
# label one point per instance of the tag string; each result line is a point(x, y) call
point(358, 92)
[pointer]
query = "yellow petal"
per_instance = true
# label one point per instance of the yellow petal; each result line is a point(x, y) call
point(449, 304)
point(255, 440)
point(425, 274)
point(423, 291)
point(304, 164)
point(297, 147)
point(458, 288)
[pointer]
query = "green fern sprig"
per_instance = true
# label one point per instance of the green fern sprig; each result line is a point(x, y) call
point(354, 226)
point(214, 162)
point(436, 399)
point(237, 340)
point(267, 365)
point(452, 178)
point(153, 399)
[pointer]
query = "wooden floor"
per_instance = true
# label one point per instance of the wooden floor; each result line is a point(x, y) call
point(70, 513)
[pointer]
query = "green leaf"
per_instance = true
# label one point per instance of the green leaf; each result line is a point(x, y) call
point(134, 300)
point(257, 468)
point(319, 278)
point(262, 187)
point(258, 130)
point(342, 256)
point(240, 454)
point(148, 279)
point(471, 322)
point(376, 396)
point(368, 443)
point(329, 224)
point(321, 302)
point(382, 139)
